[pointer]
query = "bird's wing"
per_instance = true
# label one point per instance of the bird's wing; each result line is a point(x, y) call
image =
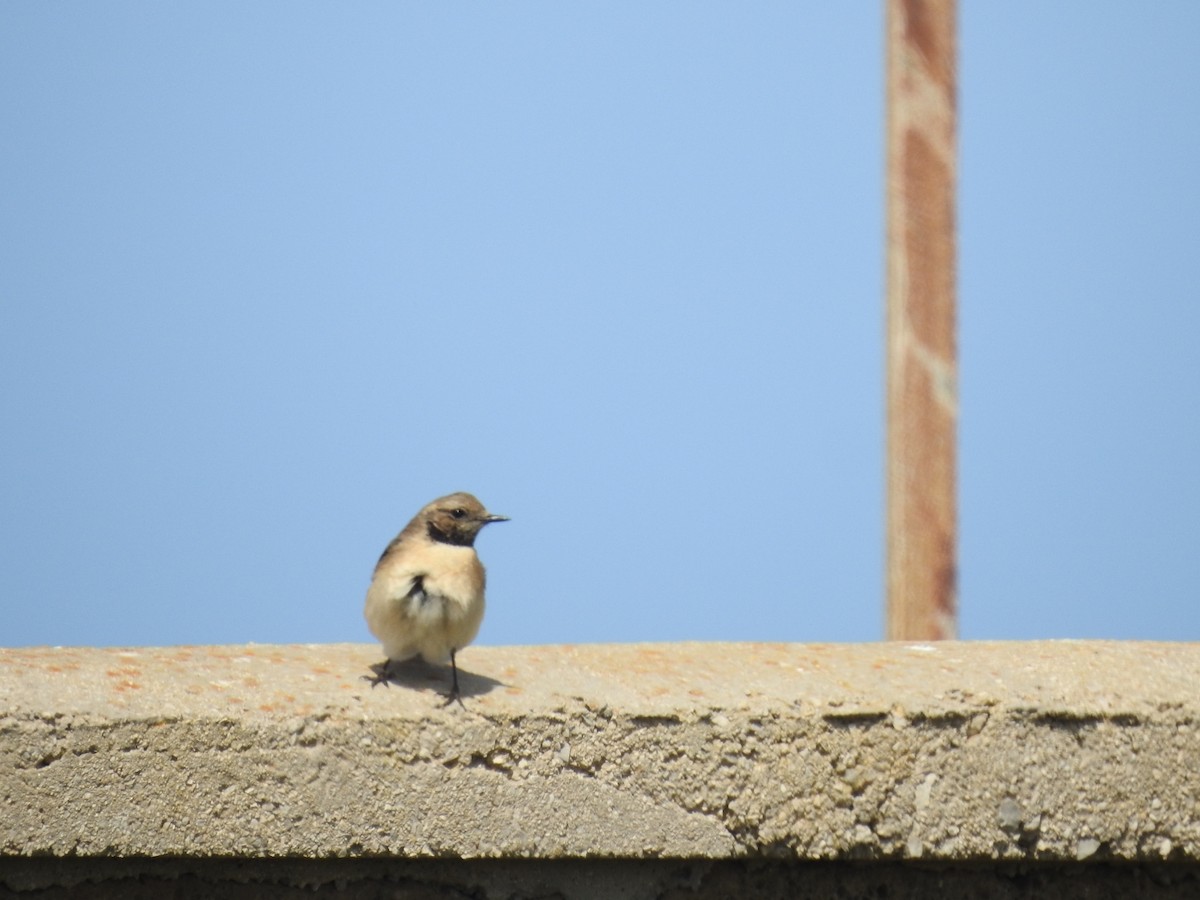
point(389, 550)
point(417, 591)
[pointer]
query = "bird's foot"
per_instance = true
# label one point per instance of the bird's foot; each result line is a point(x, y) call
point(383, 674)
point(454, 695)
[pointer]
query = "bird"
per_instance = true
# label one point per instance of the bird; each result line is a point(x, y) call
point(426, 594)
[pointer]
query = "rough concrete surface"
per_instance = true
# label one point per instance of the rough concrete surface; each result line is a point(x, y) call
point(951, 753)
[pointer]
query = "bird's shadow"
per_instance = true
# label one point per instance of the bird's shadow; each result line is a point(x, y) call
point(416, 674)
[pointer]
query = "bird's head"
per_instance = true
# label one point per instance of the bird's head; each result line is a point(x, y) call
point(457, 519)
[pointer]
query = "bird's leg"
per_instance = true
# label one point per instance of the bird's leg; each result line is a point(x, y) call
point(383, 674)
point(454, 695)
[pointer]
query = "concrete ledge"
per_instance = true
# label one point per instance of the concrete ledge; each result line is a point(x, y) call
point(955, 753)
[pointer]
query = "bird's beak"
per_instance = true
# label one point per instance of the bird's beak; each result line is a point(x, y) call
point(494, 518)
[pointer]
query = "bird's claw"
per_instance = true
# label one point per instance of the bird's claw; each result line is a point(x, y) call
point(383, 674)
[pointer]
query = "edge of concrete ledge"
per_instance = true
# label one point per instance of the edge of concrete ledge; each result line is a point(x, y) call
point(952, 752)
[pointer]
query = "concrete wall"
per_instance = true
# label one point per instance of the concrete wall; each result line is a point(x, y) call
point(684, 770)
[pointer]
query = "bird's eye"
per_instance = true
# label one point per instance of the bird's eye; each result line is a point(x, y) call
point(459, 513)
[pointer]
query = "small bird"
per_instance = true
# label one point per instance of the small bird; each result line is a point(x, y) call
point(426, 596)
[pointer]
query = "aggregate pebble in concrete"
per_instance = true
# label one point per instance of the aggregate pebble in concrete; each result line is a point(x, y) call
point(952, 752)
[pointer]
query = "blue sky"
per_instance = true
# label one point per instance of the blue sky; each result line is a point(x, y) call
point(272, 276)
